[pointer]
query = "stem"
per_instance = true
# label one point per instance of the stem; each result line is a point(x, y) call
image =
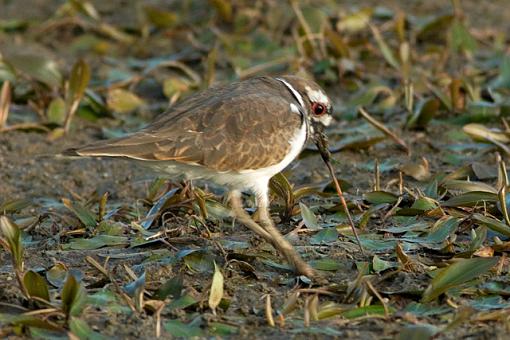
point(322, 145)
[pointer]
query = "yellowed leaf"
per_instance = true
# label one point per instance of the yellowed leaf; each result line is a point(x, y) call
point(216, 293)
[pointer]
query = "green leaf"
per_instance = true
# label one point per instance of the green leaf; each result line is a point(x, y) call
point(182, 302)
point(442, 230)
point(380, 265)
point(173, 86)
point(424, 204)
point(123, 101)
point(177, 328)
point(36, 285)
point(461, 37)
point(109, 301)
point(489, 303)
point(456, 274)
point(56, 112)
point(503, 79)
point(470, 199)
point(492, 224)
point(385, 49)
point(12, 234)
point(38, 67)
point(80, 77)
point(84, 214)
point(379, 197)
point(199, 261)
point(375, 243)
point(439, 233)
point(422, 310)
point(12, 206)
point(223, 8)
point(172, 288)
point(159, 17)
point(73, 297)
point(97, 242)
point(467, 186)
point(325, 236)
point(372, 310)
point(57, 275)
point(308, 217)
point(222, 330)
point(482, 110)
point(435, 28)
point(327, 264)
point(425, 111)
point(28, 320)
point(82, 330)
point(86, 8)
point(355, 21)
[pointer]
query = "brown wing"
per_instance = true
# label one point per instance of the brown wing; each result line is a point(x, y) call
point(242, 126)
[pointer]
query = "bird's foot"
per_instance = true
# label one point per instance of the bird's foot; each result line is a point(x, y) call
point(286, 248)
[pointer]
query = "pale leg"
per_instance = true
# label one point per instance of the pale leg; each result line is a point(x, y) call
point(239, 213)
point(278, 241)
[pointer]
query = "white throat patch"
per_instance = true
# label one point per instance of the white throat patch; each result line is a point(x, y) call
point(324, 120)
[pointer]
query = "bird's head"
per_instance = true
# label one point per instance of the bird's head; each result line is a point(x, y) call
point(315, 105)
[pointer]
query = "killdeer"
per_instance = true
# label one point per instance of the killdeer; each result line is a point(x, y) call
point(238, 136)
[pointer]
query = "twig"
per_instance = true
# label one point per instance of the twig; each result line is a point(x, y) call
point(322, 144)
point(304, 24)
point(251, 71)
point(98, 266)
point(379, 297)
point(380, 126)
point(344, 204)
point(25, 126)
point(319, 291)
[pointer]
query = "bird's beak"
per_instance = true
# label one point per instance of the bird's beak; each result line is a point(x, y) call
point(321, 141)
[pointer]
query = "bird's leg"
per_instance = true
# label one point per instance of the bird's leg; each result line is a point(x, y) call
point(237, 208)
point(278, 241)
point(269, 232)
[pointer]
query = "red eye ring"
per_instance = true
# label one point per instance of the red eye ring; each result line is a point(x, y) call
point(318, 109)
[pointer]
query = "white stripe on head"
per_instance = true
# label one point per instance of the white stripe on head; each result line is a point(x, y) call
point(294, 92)
point(317, 96)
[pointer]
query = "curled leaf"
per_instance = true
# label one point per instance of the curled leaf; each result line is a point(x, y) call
point(483, 134)
point(11, 233)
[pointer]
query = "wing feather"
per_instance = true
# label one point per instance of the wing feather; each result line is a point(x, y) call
point(246, 125)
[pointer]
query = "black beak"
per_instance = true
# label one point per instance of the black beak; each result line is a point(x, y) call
point(321, 141)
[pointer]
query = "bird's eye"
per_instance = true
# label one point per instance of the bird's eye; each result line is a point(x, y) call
point(318, 109)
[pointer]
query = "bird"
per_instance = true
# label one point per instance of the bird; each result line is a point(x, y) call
point(238, 136)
